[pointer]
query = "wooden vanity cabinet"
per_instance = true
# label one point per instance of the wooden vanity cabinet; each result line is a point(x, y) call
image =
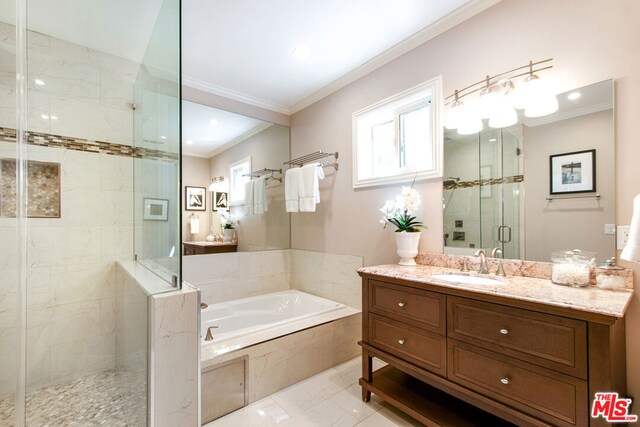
point(457, 357)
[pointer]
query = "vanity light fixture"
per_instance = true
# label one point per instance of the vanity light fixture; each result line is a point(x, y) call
point(499, 98)
point(214, 181)
point(573, 96)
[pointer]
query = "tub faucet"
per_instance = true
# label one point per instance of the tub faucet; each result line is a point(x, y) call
point(209, 336)
point(483, 261)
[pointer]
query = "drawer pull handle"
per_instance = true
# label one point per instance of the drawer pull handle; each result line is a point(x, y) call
point(504, 380)
point(401, 304)
point(504, 331)
point(401, 342)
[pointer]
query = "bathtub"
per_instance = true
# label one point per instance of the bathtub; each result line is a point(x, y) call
point(244, 322)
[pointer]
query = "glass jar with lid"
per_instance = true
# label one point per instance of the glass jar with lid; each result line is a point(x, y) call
point(572, 268)
point(608, 275)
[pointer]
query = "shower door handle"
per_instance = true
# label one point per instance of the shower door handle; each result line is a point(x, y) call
point(501, 233)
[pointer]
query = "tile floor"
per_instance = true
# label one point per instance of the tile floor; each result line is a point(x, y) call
point(331, 398)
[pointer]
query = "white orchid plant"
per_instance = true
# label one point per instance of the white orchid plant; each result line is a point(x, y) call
point(399, 211)
point(227, 220)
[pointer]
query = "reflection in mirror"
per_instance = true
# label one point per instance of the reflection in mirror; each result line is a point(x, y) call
point(238, 159)
point(501, 188)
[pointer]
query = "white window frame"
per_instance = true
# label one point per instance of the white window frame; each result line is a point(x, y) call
point(240, 201)
point(432, 88)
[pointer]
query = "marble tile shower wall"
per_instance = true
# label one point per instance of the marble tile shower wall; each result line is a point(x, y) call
point(71, 284)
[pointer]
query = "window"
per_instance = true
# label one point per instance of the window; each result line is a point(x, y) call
point(237, 180)
point(395, 139)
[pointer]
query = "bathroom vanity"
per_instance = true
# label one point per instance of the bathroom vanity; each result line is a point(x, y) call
point(527, 351)
point(201, 248)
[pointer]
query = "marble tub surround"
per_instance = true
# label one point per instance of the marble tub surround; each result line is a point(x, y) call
point(279, 363)
point(512, 267)
point(331, 276)
point(535, 290)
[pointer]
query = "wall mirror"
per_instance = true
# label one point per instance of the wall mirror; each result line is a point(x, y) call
point(545, 184)
point(234, 150)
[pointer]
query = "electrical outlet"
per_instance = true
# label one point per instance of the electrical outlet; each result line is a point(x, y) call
point(609, 229)
point(622, 236)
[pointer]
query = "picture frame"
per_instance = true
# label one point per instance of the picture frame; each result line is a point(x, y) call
point(195, 198)
point(571, 173)
point(220, 201)
point(155, 209)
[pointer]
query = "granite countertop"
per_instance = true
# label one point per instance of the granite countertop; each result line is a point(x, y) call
point(590, 299)
point(210, 243)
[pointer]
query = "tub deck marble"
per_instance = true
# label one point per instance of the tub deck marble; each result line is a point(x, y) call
point(536, 290)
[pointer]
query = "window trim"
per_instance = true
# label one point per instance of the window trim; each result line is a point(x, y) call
point(435, 87)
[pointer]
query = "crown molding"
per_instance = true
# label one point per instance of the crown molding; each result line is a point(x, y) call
point(235, 95)
point(551, 118)
point(440, 26)
point(192, 154)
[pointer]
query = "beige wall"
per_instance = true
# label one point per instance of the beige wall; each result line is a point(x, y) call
point(575, 223)
point(589, 40)
point(195, 173)
point(268, 149)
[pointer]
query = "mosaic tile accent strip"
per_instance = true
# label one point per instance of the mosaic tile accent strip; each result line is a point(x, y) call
point(43, 189)
point(479, 182)
point(86, 145)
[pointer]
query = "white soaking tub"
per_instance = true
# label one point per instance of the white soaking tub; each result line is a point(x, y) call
point(247, 321)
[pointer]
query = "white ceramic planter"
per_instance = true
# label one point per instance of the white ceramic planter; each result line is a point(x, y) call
point(228, 234)
point(407, 247)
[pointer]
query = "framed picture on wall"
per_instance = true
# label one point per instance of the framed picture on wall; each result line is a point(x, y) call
point(156, 209)
point(195, 198)
point(220, 201)
point(571, 173)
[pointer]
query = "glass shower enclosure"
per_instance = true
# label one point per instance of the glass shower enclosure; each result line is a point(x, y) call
point(482, 202)
point(89, 179)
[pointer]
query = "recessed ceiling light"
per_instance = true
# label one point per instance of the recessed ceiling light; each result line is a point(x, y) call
point(573, 96)
point(188, 142)
point(163, 137)
point(44, 116)
point(492, 140)
point(39, 82)
point(54, 117)
point(213, 122)
point(300, 52)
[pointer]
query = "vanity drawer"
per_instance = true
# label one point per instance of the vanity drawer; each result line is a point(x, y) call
point(415, 345)
point(553, 397)
point(414, 306)
point(551, 341)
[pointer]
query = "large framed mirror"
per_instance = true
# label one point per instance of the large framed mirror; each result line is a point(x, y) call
point(545, 184)
point(223, 152)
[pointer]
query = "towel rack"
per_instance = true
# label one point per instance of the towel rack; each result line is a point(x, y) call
point(591, 196)
point(265, 171)
point(312, 157)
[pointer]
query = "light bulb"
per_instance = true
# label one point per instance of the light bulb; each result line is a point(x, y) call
point(503, 117)
point(470, 125)
point(542, 105)
point(454, 116)
point(488, 102)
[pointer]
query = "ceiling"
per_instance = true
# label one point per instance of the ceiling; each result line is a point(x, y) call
point(207, 140)
point(244, 49)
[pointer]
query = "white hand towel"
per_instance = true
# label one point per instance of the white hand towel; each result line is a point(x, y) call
point(320, 176)
point(194, 225)
point(291, 190)
point(260, 196)
point(309, 187)
point(631, 251)
point(248, 197)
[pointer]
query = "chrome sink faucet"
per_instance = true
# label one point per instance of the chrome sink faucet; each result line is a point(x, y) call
point(494, 254)
point(483, 261)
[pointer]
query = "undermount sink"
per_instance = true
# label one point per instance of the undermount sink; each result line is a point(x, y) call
point(468, 280)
